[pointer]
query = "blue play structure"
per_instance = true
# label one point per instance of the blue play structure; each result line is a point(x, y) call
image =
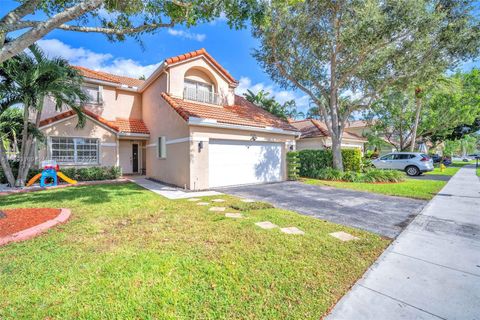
point(49, 174)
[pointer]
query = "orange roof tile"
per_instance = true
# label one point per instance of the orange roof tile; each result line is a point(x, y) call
point(131, 126)
point(241, 113)
point(197, 53)
point(103, 76)
point(119, 125)
point(311, 128)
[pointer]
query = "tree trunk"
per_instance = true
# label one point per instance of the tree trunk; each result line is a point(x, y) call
point(418, 104)
point(337, 152)
point(7, 170)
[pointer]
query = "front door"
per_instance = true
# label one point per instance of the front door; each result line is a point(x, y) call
point(135, 157)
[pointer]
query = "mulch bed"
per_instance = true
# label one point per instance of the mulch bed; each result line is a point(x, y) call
point(16, 220)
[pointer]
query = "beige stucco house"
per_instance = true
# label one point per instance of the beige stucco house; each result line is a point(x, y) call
point(184, 125)
point(315, 136)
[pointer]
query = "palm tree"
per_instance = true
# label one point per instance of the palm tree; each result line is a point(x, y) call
point(29, 79)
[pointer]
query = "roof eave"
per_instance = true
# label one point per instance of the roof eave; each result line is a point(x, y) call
point(214, 123)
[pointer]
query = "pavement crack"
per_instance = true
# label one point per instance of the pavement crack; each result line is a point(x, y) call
point(401, 301)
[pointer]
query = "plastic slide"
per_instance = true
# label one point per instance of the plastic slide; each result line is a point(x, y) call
point(35, 178)
point(65, 178)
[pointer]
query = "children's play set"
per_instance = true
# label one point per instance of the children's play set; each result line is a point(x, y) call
point(49, 175)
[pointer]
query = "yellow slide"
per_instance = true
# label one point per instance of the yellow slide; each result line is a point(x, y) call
point(35, 178)
point(65, 178)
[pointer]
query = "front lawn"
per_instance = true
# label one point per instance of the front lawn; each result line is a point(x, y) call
point(128, 253)
point(449, 170)
point(411, 188)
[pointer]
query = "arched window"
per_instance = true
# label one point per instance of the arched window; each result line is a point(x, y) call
point(199, 86)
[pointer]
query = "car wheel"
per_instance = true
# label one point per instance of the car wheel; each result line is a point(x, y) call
point(412, 171)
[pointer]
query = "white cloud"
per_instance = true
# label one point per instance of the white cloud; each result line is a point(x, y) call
point(96, 61)
point(187, 35)
point(281, 96)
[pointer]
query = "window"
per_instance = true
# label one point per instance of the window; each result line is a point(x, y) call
point(94, 94)
point(403, 156)
point(74, 150)
point(387, 157)
point(162, 147)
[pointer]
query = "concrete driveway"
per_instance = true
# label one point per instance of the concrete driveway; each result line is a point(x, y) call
point(384, 215)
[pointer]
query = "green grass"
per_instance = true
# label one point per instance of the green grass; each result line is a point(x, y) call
point(411, 188)
point(128, 253)
point(449, 171)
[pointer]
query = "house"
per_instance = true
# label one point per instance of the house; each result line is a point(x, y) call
point(184, 126)
point(315, 135)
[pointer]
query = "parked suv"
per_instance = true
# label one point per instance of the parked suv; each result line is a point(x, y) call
point(413, 163)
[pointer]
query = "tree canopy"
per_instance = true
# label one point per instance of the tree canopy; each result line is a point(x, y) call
point(446, 107)
point(343, 54)
point(285, 111)
point(29, 79)
point(116, 19)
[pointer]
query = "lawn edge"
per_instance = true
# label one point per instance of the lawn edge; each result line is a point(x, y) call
point(36, 230)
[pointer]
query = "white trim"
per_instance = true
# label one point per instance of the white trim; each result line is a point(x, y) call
point(57, 122)
point(151, 145)
point(111, 84)
point(132, 134)
point(215, 124)
point(108, 144)
point(180, 140)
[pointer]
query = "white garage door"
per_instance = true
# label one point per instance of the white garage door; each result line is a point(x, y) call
point(243, 162)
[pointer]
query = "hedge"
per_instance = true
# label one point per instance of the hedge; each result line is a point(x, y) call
point(314, 160)
point(79, 174)
point(293, 165)
point(369, 176)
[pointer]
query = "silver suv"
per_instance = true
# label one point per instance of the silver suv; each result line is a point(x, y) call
point(413, 163)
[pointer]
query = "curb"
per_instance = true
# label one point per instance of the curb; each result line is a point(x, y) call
point(36, 230)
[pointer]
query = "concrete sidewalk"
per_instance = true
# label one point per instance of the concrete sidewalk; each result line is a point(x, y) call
point(432, 270)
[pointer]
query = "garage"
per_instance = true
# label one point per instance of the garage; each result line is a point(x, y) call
point(234, 162)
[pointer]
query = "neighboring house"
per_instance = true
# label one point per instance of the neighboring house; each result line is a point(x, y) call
point(315, 135)
point(183, 125)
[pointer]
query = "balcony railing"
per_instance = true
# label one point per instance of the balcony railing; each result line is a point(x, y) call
point(201, 96)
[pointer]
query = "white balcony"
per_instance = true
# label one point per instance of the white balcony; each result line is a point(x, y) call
point(203, 96)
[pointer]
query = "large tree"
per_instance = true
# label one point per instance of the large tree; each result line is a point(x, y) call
point(286, 110)
point(33, 19)
point(343, 54)
point(445, 107)
point(29, 79)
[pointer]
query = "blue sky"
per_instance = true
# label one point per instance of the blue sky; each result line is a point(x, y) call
point(231, 48)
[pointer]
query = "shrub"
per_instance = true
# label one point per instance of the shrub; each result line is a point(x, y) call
point(79, 174)
point(328, 174)
point(377, 175)
point(293, 165)
point(311, 161)
point(247, 206)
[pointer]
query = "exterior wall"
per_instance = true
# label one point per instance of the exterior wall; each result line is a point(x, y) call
point(119, 103)
point(321, 143)
point(311, 144)
point(199, 158)
point(116, 103)
point(162, 120)
point(67, 128)
point(177, 75)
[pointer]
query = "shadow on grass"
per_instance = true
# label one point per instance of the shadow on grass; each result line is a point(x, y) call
point(99, 194)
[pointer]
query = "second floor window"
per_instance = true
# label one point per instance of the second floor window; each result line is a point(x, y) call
point(199, 91)
point(94, 93)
